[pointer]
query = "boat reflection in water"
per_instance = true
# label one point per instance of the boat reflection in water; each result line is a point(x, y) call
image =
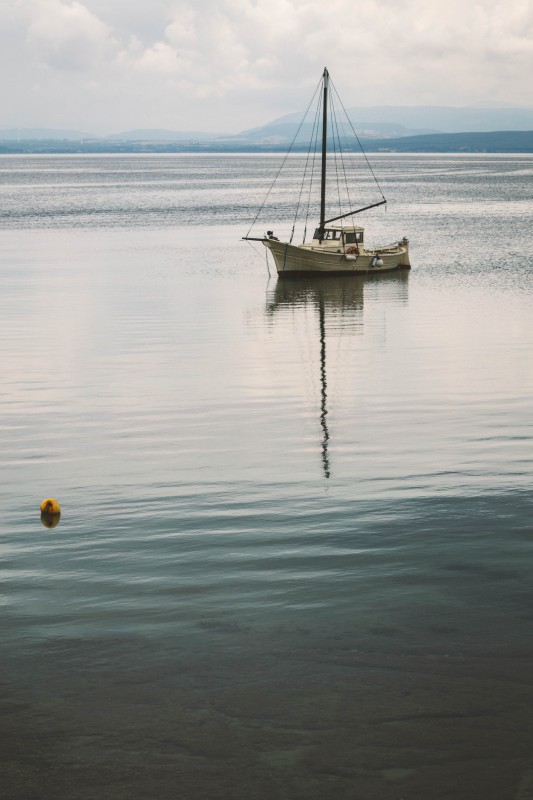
point(338, 303)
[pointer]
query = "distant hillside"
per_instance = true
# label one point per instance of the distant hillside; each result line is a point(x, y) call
point(453, 120)
point(430, 119)
point(162, 135)
point(489, 142)
point(372, 123)
point(142, 135)
point(380, 122)
point(50, 134)
point(283, 132)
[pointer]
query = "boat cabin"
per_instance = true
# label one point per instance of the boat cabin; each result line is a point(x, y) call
point(339, 236)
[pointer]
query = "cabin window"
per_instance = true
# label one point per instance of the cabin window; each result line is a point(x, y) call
point(354, 238)
point(328, 235)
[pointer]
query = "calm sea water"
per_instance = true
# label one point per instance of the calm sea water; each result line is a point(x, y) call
point(296, 549)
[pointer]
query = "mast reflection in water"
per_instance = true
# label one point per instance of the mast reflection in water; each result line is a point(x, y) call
point(339, 303)
point(323, 388)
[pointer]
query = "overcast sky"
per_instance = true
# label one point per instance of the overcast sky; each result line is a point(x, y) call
point(226, 65)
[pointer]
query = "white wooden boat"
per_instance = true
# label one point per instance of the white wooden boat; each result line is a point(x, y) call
point(335, 249)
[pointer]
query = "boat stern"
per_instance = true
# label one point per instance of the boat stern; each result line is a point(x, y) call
point(405, 262)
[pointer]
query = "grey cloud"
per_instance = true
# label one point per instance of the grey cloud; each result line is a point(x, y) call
point(231, 64)
point(67, 35)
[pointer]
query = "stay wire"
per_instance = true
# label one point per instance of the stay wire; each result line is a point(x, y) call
point(255, 250)
point(305, 173)
point(319, 108)
point(286, 156)
point(332, 112)
point(358, 140)
point(336, 122)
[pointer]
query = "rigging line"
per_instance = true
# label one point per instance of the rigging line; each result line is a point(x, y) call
point(312, 176)
point(336, 122)
point(332, 112)
point(314, 133)
point(318, 114)
point(358, 141)
point(334, 144)
point(255, 249)
point(305, 173)
point(286, 156)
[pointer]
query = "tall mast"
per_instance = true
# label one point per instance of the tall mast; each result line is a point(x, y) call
point(325, 79)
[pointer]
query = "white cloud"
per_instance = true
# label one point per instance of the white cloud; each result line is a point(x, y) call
point(67, 36)
point(160, 58)
point(405, 52)
point(229, 64)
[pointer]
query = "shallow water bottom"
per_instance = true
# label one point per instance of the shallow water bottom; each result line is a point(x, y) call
point(232, 713)
point(414, 684)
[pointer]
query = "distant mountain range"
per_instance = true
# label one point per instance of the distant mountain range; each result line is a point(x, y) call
point(402, 128)
point(282, 131)
point(485, 142)
point(161, 135)
point(54, 135)
point(434, 119)
point(380, 122)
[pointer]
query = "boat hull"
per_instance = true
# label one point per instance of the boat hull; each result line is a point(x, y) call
point(293, 260)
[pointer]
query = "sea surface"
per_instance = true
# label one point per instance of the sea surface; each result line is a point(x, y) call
point(295, 554)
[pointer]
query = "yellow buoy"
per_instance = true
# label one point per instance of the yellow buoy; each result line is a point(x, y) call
point(50, 506)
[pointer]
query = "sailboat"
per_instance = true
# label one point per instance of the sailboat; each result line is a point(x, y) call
point(335, 248)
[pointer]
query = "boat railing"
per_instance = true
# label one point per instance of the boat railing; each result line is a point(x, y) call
point(390, 248)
